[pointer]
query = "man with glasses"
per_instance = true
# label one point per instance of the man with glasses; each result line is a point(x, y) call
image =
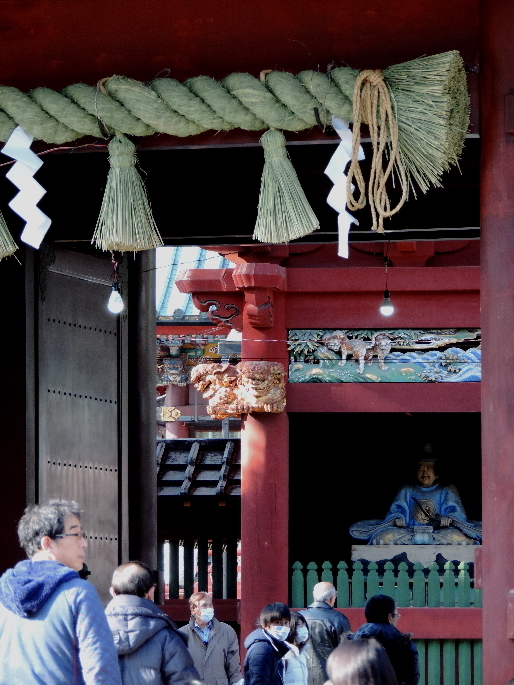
point(327, 627)
point(52, 622)
point(382, 616)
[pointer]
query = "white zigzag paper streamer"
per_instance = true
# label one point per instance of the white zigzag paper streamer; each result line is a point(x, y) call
point(31, 192)
point(335, 171)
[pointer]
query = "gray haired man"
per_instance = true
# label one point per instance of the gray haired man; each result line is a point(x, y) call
point(212, 644)
point(150, 649)
point(327, 627)
point(52, 622)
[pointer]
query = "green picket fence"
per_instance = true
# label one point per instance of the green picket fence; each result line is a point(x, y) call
point(442, 662)
point(450, 662)
point(426, 587)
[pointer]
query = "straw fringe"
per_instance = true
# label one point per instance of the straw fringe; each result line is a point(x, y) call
point(432, 108)
point(126, 222)
point(7, 244)
point(284, 212)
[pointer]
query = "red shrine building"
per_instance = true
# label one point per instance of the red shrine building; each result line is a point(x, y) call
point(78, 397)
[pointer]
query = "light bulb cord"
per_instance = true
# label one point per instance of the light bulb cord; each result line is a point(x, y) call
point(387, 263)
point(115, 273)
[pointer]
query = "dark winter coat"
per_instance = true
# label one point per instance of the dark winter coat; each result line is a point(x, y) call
point(327, 627)
point(217, 662)
point(150, 649)
point(402, 652)
point(262, 664)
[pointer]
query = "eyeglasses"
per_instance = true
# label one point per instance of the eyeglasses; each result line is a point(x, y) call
point(72, 535)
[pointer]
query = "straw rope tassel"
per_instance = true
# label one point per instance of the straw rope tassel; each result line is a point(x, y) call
point(7, 244)
point(126, 223)
point(284, 212)
point(372, 105)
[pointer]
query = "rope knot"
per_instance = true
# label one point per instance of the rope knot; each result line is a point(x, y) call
point(372, 105)
point(374, 76)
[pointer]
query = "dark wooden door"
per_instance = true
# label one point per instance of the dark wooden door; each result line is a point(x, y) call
point(80, 398)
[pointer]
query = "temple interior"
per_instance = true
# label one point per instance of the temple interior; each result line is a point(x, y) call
point(349, 467)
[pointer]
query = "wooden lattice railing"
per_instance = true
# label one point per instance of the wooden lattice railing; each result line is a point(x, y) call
point(451, 662)
point(424, 592)
point(423, 587)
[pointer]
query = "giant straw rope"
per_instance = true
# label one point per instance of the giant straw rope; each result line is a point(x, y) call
point(429, 99)
point(284, 101)
point(417, 113)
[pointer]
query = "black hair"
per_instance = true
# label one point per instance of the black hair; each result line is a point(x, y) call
point(40, 520)
point(296, 619)
point(274, 613)
point(360, 662)
point(137, 582)
point(378, 608)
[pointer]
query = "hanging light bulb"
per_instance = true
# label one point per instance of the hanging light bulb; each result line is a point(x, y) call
point(386, 308)
point(115, 304)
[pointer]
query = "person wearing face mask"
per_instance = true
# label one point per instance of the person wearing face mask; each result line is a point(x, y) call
point(295, 662)
point(213, 645)
point(267, 645)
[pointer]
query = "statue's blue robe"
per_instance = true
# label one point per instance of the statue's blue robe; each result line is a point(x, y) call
point(446, 503)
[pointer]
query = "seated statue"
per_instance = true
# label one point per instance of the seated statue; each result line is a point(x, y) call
point(423, 514)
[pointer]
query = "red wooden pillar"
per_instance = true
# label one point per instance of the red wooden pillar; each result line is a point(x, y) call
point(497, 223)
point(264, 515)
point(264, 451)
point(177, 396)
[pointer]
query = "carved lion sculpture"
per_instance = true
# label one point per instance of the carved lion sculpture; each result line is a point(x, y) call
point(261, 387)
point(218, 383)
point(337, 341)
point(247, 387)
point(382, 344)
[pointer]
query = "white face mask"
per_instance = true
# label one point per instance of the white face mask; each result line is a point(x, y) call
point(302, 634)
point(206, 614)
point(280, 632)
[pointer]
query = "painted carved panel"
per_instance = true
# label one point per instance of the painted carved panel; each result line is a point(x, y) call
point(177, 357)
point(384, 356)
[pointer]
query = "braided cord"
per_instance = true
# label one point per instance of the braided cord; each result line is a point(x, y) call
point(283, 101)
point(372, 105)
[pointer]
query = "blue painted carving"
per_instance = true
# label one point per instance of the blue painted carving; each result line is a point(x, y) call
point(387, 356)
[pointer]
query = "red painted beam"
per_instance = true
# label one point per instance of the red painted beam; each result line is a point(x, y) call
point(423, 297)
point(205, 280)
point(346, 279)
point(383, 397)
point(427, 623)
point(372, 279)
point(58, 43)
point(361, 309)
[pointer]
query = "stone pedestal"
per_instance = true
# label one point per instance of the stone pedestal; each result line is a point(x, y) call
point(425, 554)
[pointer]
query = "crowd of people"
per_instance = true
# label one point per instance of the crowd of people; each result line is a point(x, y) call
point(55, 630)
